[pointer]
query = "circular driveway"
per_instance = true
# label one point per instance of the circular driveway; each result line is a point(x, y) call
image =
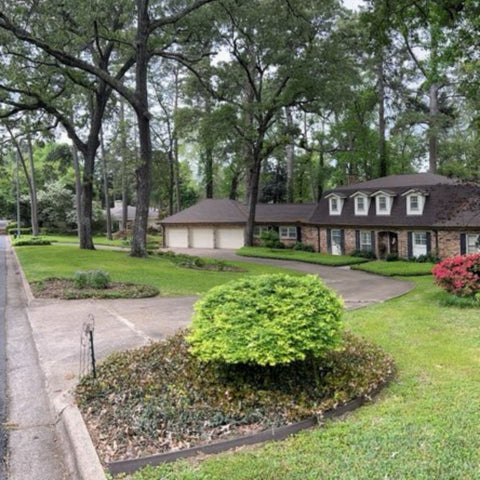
point(355, 287)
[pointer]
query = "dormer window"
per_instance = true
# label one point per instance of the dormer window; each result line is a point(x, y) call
point(335, 203)
point(383, 202)
point(415, 201)
point(362, 203)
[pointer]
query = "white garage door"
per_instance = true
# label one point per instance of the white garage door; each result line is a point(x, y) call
point(176, 237)
point(202, 238)
point(230, 238)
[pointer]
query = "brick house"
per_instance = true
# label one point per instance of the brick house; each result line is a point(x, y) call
point(405, 215)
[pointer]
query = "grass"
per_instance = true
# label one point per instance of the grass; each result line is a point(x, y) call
point(424, 426)
point(300, 256)
point(152, 240)
point(398, 268)
point(41, 262)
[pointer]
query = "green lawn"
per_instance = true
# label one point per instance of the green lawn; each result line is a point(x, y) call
point(424, 426)
point(40, 262)
point(97, 240)
point(397, 268)
point(308, 257)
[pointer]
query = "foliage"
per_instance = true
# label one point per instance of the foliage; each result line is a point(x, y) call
point(428, 258)
point(452, 300)
point(303, 247)
point(401, 268)
point(201, 263)
point(459, 275)
point(97, 279)
point(22, 242)
point(270, 239)
point(300, 256)
point(39, 263)
point(266, 320)
point(160, 397)
point(364, 254)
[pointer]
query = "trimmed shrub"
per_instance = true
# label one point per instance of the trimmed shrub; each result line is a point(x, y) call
point(459, 275)
point(97, 279)
point(364, 254)
point(31, 241)
point(266, 320)
point(270, 239)
point(303, 247)
point(391, 257)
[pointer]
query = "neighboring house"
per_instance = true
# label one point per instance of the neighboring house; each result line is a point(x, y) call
point(117, 215)
point(404, 215)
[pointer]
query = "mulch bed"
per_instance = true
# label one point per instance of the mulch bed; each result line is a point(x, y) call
point(65, 289)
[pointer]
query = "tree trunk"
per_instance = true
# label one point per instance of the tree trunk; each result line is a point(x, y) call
point(176, 164)
point(252, 197)
point(124, 167)
point(33, 189)
point(433, 129)
point(85, 226)
point(78, 188)
point(143, 171)
point(290, 151)
point(105, 188)
point(382, 144)
point(208, 156)
point(234, 182)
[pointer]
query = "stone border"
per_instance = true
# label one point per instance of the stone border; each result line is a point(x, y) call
point(272, 434)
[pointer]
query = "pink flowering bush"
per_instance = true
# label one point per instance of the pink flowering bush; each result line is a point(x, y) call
point(459, 275)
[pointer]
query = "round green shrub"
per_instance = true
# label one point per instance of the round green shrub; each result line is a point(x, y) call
point(266, 320)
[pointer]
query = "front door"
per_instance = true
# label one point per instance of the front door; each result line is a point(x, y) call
point(336, 242)
point(387, 244)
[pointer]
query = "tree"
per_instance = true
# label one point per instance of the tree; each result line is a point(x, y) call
point(142, 41)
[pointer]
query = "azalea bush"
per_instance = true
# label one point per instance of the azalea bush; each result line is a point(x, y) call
point(266, 320)
point(459, 275)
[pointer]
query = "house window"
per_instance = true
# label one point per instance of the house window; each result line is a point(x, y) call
point(259, 229)
point(361, 205)
point(382, 204)
point(473, 243)
point(414, 204)
point(419, 244)
point(365, 241)
point(288, 233)
point(333, 205)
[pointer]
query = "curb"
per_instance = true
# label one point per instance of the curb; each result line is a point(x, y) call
point(80, 454)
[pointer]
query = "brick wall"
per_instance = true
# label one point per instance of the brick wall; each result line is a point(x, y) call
point(310, 237)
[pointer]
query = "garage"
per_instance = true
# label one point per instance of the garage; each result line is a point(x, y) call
point(202, 237)
point(232, 238)
point(176, 237)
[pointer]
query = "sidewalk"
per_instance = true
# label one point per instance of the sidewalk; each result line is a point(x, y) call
point(49, 439)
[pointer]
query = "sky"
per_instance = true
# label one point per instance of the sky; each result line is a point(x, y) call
point(352, 4)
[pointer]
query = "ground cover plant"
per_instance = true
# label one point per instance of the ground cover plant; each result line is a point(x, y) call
point(61, 261)
point(199, 263)
point(300, 256)
point(423, 426)
point(399, 268)
point(161, 397)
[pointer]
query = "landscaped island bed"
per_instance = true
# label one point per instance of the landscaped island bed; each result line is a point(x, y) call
point(160, 397)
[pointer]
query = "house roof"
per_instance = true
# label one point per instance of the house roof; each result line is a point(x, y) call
point(397, 181)
point(116, 212)
point(225, 211)
point(209, 211)
point(448, 204)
